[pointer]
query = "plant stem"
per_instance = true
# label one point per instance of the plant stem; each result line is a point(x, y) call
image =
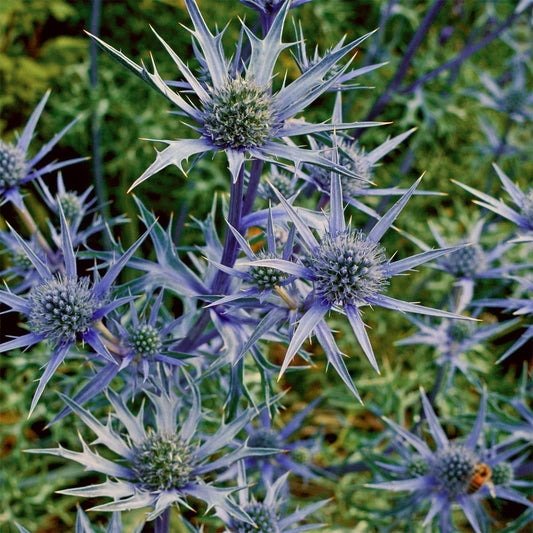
point(386, 96)
point(162, 522)
point(99, 184)
point(30, 224)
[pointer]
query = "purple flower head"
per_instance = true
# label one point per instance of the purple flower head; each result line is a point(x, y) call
point(16, 166)
point(347, 270)
point(166, 463)
point(453, 340)
point(237, 113)
point(64, 308)
point(458, 472)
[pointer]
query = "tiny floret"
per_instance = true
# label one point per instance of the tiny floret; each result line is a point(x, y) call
point(348, 268)
point(301, 455)
point(503, 474)
point(12, 165)
point(418, 466)
point(62, 308)
point(19, 258)
point(266, 278)
point(145, 341)
point(239, 115)
point(264, 517)
point(453, 467)
point(163, 462)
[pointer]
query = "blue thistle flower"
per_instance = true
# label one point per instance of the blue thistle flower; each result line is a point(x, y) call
point(76, 207)
point(237, 113)
point(445, 477)
point(16, 166)
point(522, 216)
point(269, 515)
point(348, 270)
point(471, 263)
point(63, 308)
point(166, 463)
point(452, 340)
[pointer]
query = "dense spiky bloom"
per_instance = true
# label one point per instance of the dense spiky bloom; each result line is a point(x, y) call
point(63, 308)
point(16, 166)
point(444, 477)
point(269, 515)
point(163, 464)
point(347, 270)
point(473, 262)
point(453, 340)
point(237, 112)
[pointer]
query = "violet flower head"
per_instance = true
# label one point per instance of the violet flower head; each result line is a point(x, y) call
point(348, 270)
point(17, 167)
point(163, 464)
point(237, 113)
point(269, 514)
point(64, 308)
point(458, 472)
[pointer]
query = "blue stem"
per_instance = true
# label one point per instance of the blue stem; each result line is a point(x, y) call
point(162, 522)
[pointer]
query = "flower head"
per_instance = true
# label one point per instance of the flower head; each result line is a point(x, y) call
point(237, 112)
point(347, 270)
point(16, 166)
point(64, 308)
point(163, 464)
point(462, 472)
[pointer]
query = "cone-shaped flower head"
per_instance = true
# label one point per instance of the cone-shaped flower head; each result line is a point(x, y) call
point(237, 112)
point(348, 270)
point(64, 308)
point(16, 166)
point(166, 463)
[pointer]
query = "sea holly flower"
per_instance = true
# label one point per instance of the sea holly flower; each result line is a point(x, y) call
point(76, 207)
point(238, 113)
point(348, 270)
point(471, 263)
point(445, 477)
point(522, 216)
point(452, 340)
point(269, 514)
point(64, 308)
point(164, 464)
point(17, 167)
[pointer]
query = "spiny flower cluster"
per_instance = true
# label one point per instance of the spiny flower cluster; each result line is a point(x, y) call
point(239, 115)
point(163, 462)
point(348, 268)
point(12, 165)
point(62, 308)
